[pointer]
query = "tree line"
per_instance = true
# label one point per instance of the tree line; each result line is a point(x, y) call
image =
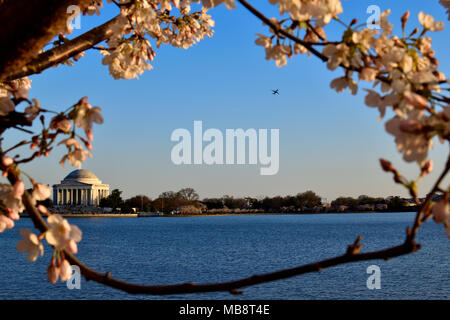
point(187, 200)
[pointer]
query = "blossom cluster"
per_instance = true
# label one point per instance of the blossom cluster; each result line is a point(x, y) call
point(403, 68)
point(129, 50)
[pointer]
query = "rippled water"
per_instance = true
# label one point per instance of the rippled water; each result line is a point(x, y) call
point(208, 249)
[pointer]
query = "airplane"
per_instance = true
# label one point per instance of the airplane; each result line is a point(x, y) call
point(275, 92)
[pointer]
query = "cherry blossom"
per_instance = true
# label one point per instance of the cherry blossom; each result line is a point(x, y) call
point(441, 210)
point(213, 3)
point(86, 115)
point(61, 234)
point(11, 198)
point(40, 192)
point(53, 272)
point(7, 161)
point(75, 157)
point(30, 244)
point(427, 21)
point(65, 270)
point(60, 123)
point(5, 223)
point(409, 137)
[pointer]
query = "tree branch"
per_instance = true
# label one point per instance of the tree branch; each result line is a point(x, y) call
point(67, 50)
point(34, 24)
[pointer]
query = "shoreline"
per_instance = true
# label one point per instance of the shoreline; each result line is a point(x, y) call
point(135, 215)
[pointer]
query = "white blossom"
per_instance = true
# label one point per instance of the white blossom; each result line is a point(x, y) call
point(409, 138)
point(86, 115)
point(427, 21)
point(30, 244)
point(61, 234)
point(40, 192)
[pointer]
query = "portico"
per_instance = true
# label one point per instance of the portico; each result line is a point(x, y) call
point(80, 188)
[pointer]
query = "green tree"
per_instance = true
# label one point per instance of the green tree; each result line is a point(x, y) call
point(308, 199)
point(114, 200)
point(188, 194)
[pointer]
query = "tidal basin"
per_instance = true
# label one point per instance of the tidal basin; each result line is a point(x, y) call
point(221, 248)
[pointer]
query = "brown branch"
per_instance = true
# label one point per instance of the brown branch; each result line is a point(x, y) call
point(27, 27)
point(278, 30)
point(352, 255)
point(14, 119)
point(67, 50)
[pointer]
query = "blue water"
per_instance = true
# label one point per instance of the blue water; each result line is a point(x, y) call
point(223, 248)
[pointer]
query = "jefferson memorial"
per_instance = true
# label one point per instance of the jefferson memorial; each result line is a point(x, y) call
point(80, 188)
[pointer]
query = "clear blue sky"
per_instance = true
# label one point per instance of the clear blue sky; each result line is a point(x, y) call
point(329, 142)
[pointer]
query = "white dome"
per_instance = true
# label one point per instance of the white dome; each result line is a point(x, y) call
point(82, 175)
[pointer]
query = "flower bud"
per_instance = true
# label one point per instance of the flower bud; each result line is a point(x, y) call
point(427, 168)
point(18, 189)
point(52, 272)
point(42, 209)
point(415, 100)
point(387, 166)
point(405, 18)
point(65, 271)
point(7, 161)
point(72, 247)
point(440, 210)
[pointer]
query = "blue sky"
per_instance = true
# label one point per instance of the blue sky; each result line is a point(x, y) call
point(329, 142)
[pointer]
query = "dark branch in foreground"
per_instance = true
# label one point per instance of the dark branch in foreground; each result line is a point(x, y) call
point(352, 255)
point(65, 51)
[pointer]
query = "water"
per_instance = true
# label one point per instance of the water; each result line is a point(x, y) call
point(223, 248)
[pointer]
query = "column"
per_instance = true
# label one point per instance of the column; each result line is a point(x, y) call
point(64, 196)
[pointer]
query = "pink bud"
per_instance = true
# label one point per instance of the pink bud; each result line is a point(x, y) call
point(440, 210)
point(18, 189)
point(89, 134)
point(405, 18)
point(72, 247)
point(14, 215)
point(7, 161)
point(52, 272)
point(427, 167)
point(415, 100)
point(65, 271)
point(7, 222)
point(42, 209)
point(386, 165)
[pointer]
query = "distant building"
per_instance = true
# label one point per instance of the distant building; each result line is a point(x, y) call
point(80, 188)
